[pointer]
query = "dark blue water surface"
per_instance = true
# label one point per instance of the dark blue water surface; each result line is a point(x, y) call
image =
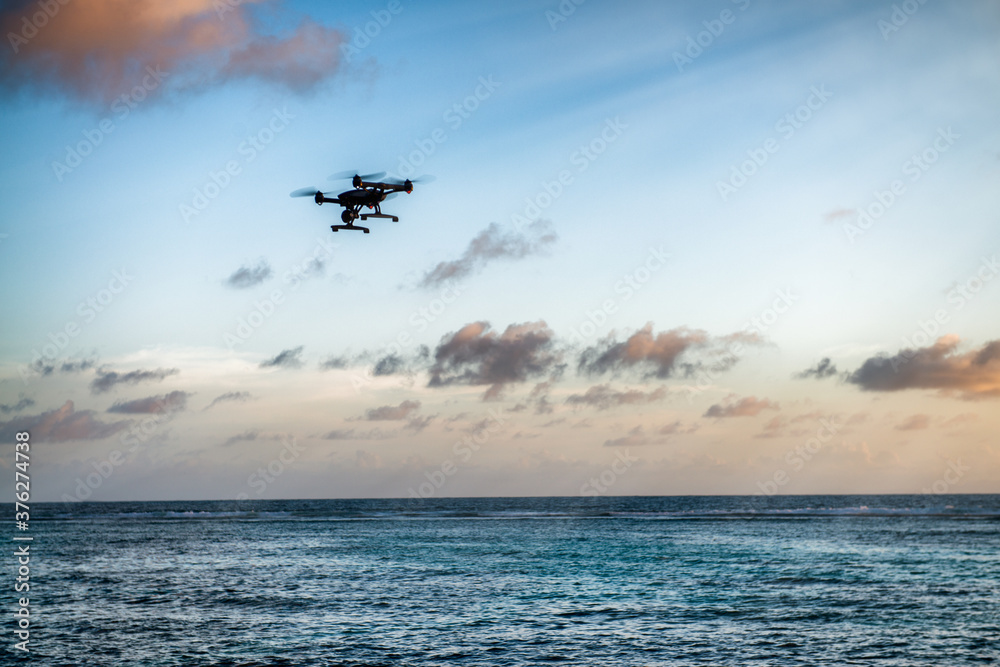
point(803, 580)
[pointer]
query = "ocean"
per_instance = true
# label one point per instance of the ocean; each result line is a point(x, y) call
point(782, 580)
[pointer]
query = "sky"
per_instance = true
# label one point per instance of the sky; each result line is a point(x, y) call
point(728, 247)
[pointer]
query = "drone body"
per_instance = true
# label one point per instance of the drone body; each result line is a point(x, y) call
point(366, 194)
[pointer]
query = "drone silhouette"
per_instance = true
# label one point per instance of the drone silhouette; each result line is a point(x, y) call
point(367, 193)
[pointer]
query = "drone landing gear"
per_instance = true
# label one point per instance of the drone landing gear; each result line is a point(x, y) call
point(365, 216)
point(337, 228)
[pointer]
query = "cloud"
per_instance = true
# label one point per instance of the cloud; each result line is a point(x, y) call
point(603, 397)
point(77, 366)
point(353, 434)
point(635, 438)
point(539, 396)
point(837, 214)
point(750, 406)
point(291, 358)
point(253, 435)
point(972, 375)
point(247, 276)
point(489, 245)
point(241, 396)
point(98, 50)
point(394, 364)
point(247, 436)
point(418, 424)
point(17, 407)
point(60, 425)
point(41, 367)
point(389, 365)
point(392, 412)
point(476, 355)
point(960, 420)
point(774, 428)
point(334, 363)
point(777, 426)
point(364, 459)
point(914, 423)
point(313, 268)
point(660, 353)
point(823, 369)
point(677, 428)
point(108, 380)
point(153, 405)
point(405, 411)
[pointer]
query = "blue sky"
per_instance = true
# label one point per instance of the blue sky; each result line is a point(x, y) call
point(743, 141)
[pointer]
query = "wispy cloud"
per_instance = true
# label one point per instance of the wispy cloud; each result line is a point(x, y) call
point(635, 438)
point(23, 403)
point(823, 369)
point(489, 245)
point(249, 275)
point(334, 363)
point(355, 434)
point(603, 397)
point(750, 406)
point(291, 358)
point(663, 354)
point(253, 435)
point(392, 412)
point(175, 401)
point(108, 380)
point(61, 425)
point(43, 367)
point(239, 396)
point(916, 422)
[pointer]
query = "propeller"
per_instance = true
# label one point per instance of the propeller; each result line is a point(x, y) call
point(304, 192)
point(351, 174)
point(426, 178)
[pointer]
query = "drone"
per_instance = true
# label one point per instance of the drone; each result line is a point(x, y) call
point(367, 193)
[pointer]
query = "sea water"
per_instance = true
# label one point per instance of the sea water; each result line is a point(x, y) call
point(795, 580)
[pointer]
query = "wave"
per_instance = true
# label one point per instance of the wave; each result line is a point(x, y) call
point(98, 512)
